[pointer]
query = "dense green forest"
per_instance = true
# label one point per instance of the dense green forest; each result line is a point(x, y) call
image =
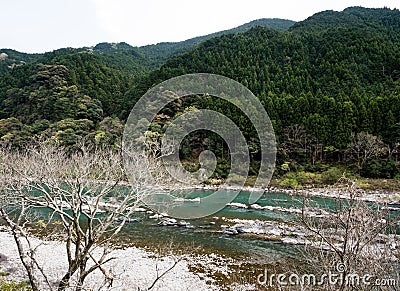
point(330, 84)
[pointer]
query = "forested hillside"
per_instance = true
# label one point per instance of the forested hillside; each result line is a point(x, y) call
point(160, 53)
point(105, 71)
point(330, 84)
point(131, 59)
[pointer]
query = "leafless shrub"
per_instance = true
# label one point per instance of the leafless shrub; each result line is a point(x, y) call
point(357, 238)
point(85, 191)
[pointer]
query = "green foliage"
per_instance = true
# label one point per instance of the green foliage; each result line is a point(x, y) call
point(301, 178)
point(290, 183)
point(10, 59)
point(307, 178)
point(160, 53)
point(191, 166)
point(109, 132)
point(9, 285)
point(236, 179)
point(331, 176)
point(379, 168)
point(2, 274)
point(320, 82)
point(14, 286)
point(323, 81)
point(49, 96)
point(9, 125)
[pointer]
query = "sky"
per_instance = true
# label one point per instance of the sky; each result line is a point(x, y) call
point(37, 26)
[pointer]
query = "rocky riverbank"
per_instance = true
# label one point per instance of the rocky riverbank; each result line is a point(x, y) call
point(376, 195)
point(134, 268)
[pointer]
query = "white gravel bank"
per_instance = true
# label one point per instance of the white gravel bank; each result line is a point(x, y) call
point(135, 268)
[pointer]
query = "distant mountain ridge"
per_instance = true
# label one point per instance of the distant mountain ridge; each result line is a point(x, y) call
point(136, 59)
point(166, 50)
point(378, 20)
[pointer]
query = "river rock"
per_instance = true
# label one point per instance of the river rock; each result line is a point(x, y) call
point(256, 206)
point(127, 220)
point(156, 216)
point(168, 222)
point(174, 222)
point(294, 240)
point(237, 205)
point(183, 223)
point(230, 231)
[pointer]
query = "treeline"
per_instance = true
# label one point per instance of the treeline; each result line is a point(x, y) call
point(330, 84)
point(47, 105)
point(323, 83)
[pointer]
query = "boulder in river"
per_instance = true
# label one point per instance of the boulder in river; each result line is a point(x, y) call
point(174, 222)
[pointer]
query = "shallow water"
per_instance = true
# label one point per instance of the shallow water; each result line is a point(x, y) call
point(207, 236)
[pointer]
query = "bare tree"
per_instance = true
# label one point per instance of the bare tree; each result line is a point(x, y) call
point(161, 272)
point(87, 191)
point(356, 238)
point(297, 141)
point(364, 146)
